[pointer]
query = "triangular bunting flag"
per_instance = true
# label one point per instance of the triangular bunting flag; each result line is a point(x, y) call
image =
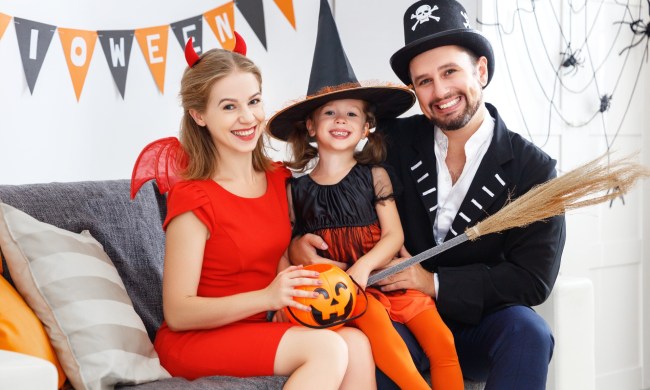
point(78, 49)
point(286, 6)
point(4, 22)
point(33, 41)
point(153, 43)
point(117, 50)
point(253, 12)
point(222, 22)
point(192, 27)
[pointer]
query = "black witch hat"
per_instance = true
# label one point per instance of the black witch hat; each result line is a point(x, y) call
point(332, 78)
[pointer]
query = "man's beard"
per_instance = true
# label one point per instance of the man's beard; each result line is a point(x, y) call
point(462, 119)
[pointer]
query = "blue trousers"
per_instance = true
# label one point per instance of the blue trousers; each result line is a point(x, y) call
point(509, 349)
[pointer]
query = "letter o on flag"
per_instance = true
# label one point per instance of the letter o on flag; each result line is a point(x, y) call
point(78, 51)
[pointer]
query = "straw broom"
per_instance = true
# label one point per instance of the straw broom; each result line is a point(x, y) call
point(577, 188)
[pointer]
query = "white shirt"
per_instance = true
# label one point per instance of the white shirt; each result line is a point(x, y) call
point(450, 196)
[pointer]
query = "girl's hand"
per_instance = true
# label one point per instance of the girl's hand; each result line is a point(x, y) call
point(283, 288)
point(359, 273)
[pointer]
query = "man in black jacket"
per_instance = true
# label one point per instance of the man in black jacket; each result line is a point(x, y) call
point(457, 164)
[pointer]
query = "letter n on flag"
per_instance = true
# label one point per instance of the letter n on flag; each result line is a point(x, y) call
point(153, 43)
point(222, 22)
point(78, 47)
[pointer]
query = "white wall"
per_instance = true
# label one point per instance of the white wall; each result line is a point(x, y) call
point(606, 245)
point(49, 136)
point(645, 266)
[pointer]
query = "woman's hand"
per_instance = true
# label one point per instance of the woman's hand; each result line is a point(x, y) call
point(283, 289)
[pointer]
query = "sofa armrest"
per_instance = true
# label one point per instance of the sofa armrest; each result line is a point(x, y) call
point(20, 371)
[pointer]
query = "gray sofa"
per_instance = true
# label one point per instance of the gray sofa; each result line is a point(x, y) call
point(131, 234)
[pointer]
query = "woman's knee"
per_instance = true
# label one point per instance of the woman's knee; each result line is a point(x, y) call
point(357, 342)
point(301, 346)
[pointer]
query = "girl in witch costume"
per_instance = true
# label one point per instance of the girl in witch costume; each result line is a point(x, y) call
point(227, 230)
point(347, 199)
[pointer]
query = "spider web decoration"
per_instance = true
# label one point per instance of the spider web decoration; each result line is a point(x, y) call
point(599, 43)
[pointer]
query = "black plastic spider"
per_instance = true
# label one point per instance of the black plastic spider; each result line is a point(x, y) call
point(605, 102)
point(571, 59)
point(638, 27)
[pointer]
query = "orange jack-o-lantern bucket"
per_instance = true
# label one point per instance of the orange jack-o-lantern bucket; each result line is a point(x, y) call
point(333, 307)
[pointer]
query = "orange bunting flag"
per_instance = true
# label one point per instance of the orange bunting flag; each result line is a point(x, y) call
point(153, 43)
point(286, 6)
point(78, 48)
point(4, 22)
point(222, 22)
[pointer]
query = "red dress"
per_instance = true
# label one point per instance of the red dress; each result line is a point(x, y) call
point(247, 239)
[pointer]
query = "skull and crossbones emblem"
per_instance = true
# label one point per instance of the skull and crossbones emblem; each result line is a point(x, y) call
point(423, 14)
point(466, 23)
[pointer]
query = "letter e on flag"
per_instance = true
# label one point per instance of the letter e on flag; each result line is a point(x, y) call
point(153, 43)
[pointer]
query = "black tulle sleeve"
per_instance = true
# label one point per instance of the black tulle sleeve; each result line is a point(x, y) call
point(382, 184)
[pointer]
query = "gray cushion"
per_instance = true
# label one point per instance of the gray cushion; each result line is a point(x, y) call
point(214, 383)
point(227, 383)
point(130, 231)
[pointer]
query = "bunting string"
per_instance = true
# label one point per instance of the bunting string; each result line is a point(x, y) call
point(34, 39)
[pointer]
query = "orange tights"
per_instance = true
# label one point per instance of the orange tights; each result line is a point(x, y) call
point(437, 341)
point(392, 355)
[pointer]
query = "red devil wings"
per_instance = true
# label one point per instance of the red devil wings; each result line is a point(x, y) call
point(161, 160)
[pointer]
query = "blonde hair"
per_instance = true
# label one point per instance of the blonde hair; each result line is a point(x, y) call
point(303, 152)
point(196, 85)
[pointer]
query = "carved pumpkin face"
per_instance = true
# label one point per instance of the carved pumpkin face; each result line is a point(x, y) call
point(335, 302)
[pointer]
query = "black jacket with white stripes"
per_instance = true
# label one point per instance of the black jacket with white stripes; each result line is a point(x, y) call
point(516, 267)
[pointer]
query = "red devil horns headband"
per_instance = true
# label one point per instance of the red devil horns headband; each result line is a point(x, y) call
point(192, 58)
point(240, 44)
point(190, 54)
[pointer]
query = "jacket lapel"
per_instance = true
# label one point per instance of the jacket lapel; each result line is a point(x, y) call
point(422, 167)
point(489, 185)
point(490, 181)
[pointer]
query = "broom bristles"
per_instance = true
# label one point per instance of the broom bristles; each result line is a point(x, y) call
point(580, 187)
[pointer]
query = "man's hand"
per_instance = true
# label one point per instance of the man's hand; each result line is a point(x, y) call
point(414, 277)
point(302, 250)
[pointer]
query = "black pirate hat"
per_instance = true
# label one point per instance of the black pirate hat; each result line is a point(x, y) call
point(332, 78)
point(432, 23)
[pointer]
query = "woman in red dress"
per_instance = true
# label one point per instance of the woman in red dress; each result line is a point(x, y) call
point(227, 230)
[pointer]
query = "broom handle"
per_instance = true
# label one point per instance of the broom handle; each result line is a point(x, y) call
point(420, 257)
